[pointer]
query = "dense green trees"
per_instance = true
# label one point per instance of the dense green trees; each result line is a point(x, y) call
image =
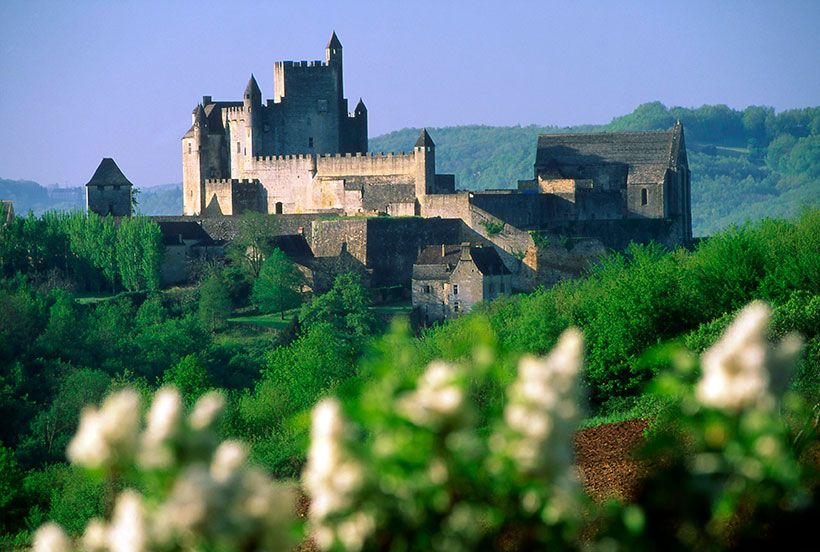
point(277, 286)
point(214, 302)
point(83, 251)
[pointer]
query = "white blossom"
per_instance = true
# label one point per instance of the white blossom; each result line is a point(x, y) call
point(542, 412)
point(332, 478)
point(227, 460)
point(206, 409)
point(127, 531)
point(51, 538)
point(438, 397)
point(736, 369)
point(106, 435)
point(163, 425)
point(95, 537)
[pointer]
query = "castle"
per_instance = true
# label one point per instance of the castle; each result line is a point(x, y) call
point(301, 152)
point(301, 157)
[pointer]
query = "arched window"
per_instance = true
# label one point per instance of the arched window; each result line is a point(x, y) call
point(644, 196)
point(278, 207)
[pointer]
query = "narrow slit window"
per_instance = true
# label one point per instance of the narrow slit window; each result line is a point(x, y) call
point(644, 196)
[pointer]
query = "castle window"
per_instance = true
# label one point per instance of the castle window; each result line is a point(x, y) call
point(189, 147)
point(322, 106)
point(310, 142)
point(644, 196)
point(238, 147)
point(278, 207)
point(455, 289)
point(455, 306)
point(266, 128)
point(426, 289)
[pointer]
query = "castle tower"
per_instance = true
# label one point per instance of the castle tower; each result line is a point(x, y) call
point(333, 57)
point(361, 127)
point(253, 111)
point(425, 151)
point(109, 192)
point(193, 162)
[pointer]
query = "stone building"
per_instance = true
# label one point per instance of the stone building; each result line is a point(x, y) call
point(448, 280)
point(109, 192)
point(185, 243)
point(300, 152)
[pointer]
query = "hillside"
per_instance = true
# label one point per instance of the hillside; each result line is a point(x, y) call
point(746, 165)
point(32, 196)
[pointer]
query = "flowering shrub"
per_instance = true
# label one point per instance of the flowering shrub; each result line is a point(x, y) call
point(197, 493)
point(445, 461)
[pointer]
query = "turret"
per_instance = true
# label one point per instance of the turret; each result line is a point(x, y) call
point(194, 144)
point(333, 57)
point(361, 126)
point(253, 106)
point(425, 151)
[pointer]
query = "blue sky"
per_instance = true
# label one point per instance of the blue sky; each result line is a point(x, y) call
point(83, 80)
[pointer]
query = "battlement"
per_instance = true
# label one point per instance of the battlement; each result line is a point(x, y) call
point(232, 181)
point(235, 109)
point(316, 64)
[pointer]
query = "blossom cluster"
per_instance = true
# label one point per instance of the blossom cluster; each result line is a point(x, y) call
point(334, 480)
point(544, 409)
point(214, 498)
point(740, 369)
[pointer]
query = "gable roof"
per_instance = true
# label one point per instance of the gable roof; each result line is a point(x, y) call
point(108, 174)
point(437, 264)
point(629, 148)
point(175, 232)
point(295, 246)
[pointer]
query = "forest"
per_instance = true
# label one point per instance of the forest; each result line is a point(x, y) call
point(82, 317)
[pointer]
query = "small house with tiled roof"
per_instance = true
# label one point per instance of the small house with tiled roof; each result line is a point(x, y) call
point(109, 191)
point(448, 280)
point(186, 244)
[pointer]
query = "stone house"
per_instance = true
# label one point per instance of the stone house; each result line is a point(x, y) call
point(186, 242)
point(448, 280)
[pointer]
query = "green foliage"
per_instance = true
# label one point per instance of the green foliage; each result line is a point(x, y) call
point(139, 253)
point(252, 243)
point(277, 287)
point(214, 302)
point(346, 307)
point(189, 377)
point(492, 228)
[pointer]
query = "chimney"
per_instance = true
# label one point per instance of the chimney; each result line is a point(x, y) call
point(465, 251)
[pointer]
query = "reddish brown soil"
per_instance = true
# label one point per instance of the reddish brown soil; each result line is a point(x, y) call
point(604, 456)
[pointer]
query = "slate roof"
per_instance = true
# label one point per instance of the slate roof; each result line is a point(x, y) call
point(431, 264)
point(187, 230)
point(252, 87)
point(424, 140)
point(334, 41)
point(295, 246)
point(108, 174)
point(658, 148)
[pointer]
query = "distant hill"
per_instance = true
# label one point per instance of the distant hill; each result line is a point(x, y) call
point(28, 196)
point(745, 165)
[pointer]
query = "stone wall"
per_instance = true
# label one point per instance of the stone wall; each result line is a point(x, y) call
point(105, 200)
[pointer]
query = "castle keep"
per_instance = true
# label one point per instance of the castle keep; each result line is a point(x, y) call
point(300, 152)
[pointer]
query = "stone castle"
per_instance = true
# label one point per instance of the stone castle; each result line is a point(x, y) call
point(300, 152)
point(303, 158)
